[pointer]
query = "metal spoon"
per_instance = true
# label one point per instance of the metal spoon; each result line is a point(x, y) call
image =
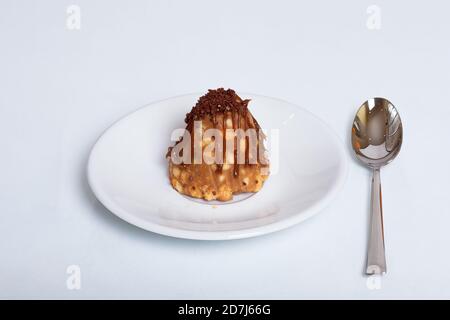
point(377, 135)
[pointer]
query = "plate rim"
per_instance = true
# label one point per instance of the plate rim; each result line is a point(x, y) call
point(219, 235)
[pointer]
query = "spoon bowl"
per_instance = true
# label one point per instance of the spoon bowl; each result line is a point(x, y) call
point(377, 132)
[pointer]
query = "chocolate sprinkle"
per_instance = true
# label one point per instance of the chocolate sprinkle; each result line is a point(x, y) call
point(217, 101)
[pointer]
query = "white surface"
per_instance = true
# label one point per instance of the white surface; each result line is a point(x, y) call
point(60, 89)
point(128, 173)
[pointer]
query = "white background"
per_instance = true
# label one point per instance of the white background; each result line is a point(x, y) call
point(60, 88)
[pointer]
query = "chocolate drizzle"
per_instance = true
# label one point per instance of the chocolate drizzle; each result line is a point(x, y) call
point(225, 102)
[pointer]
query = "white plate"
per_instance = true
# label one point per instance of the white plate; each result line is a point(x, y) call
point(128, 173)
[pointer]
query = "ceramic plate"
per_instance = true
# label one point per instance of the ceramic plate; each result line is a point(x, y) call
point(128, 173)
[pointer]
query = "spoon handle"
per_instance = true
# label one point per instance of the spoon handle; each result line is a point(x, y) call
point(376, 260)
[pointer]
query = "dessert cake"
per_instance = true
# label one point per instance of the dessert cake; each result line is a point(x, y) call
point(216, 164)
